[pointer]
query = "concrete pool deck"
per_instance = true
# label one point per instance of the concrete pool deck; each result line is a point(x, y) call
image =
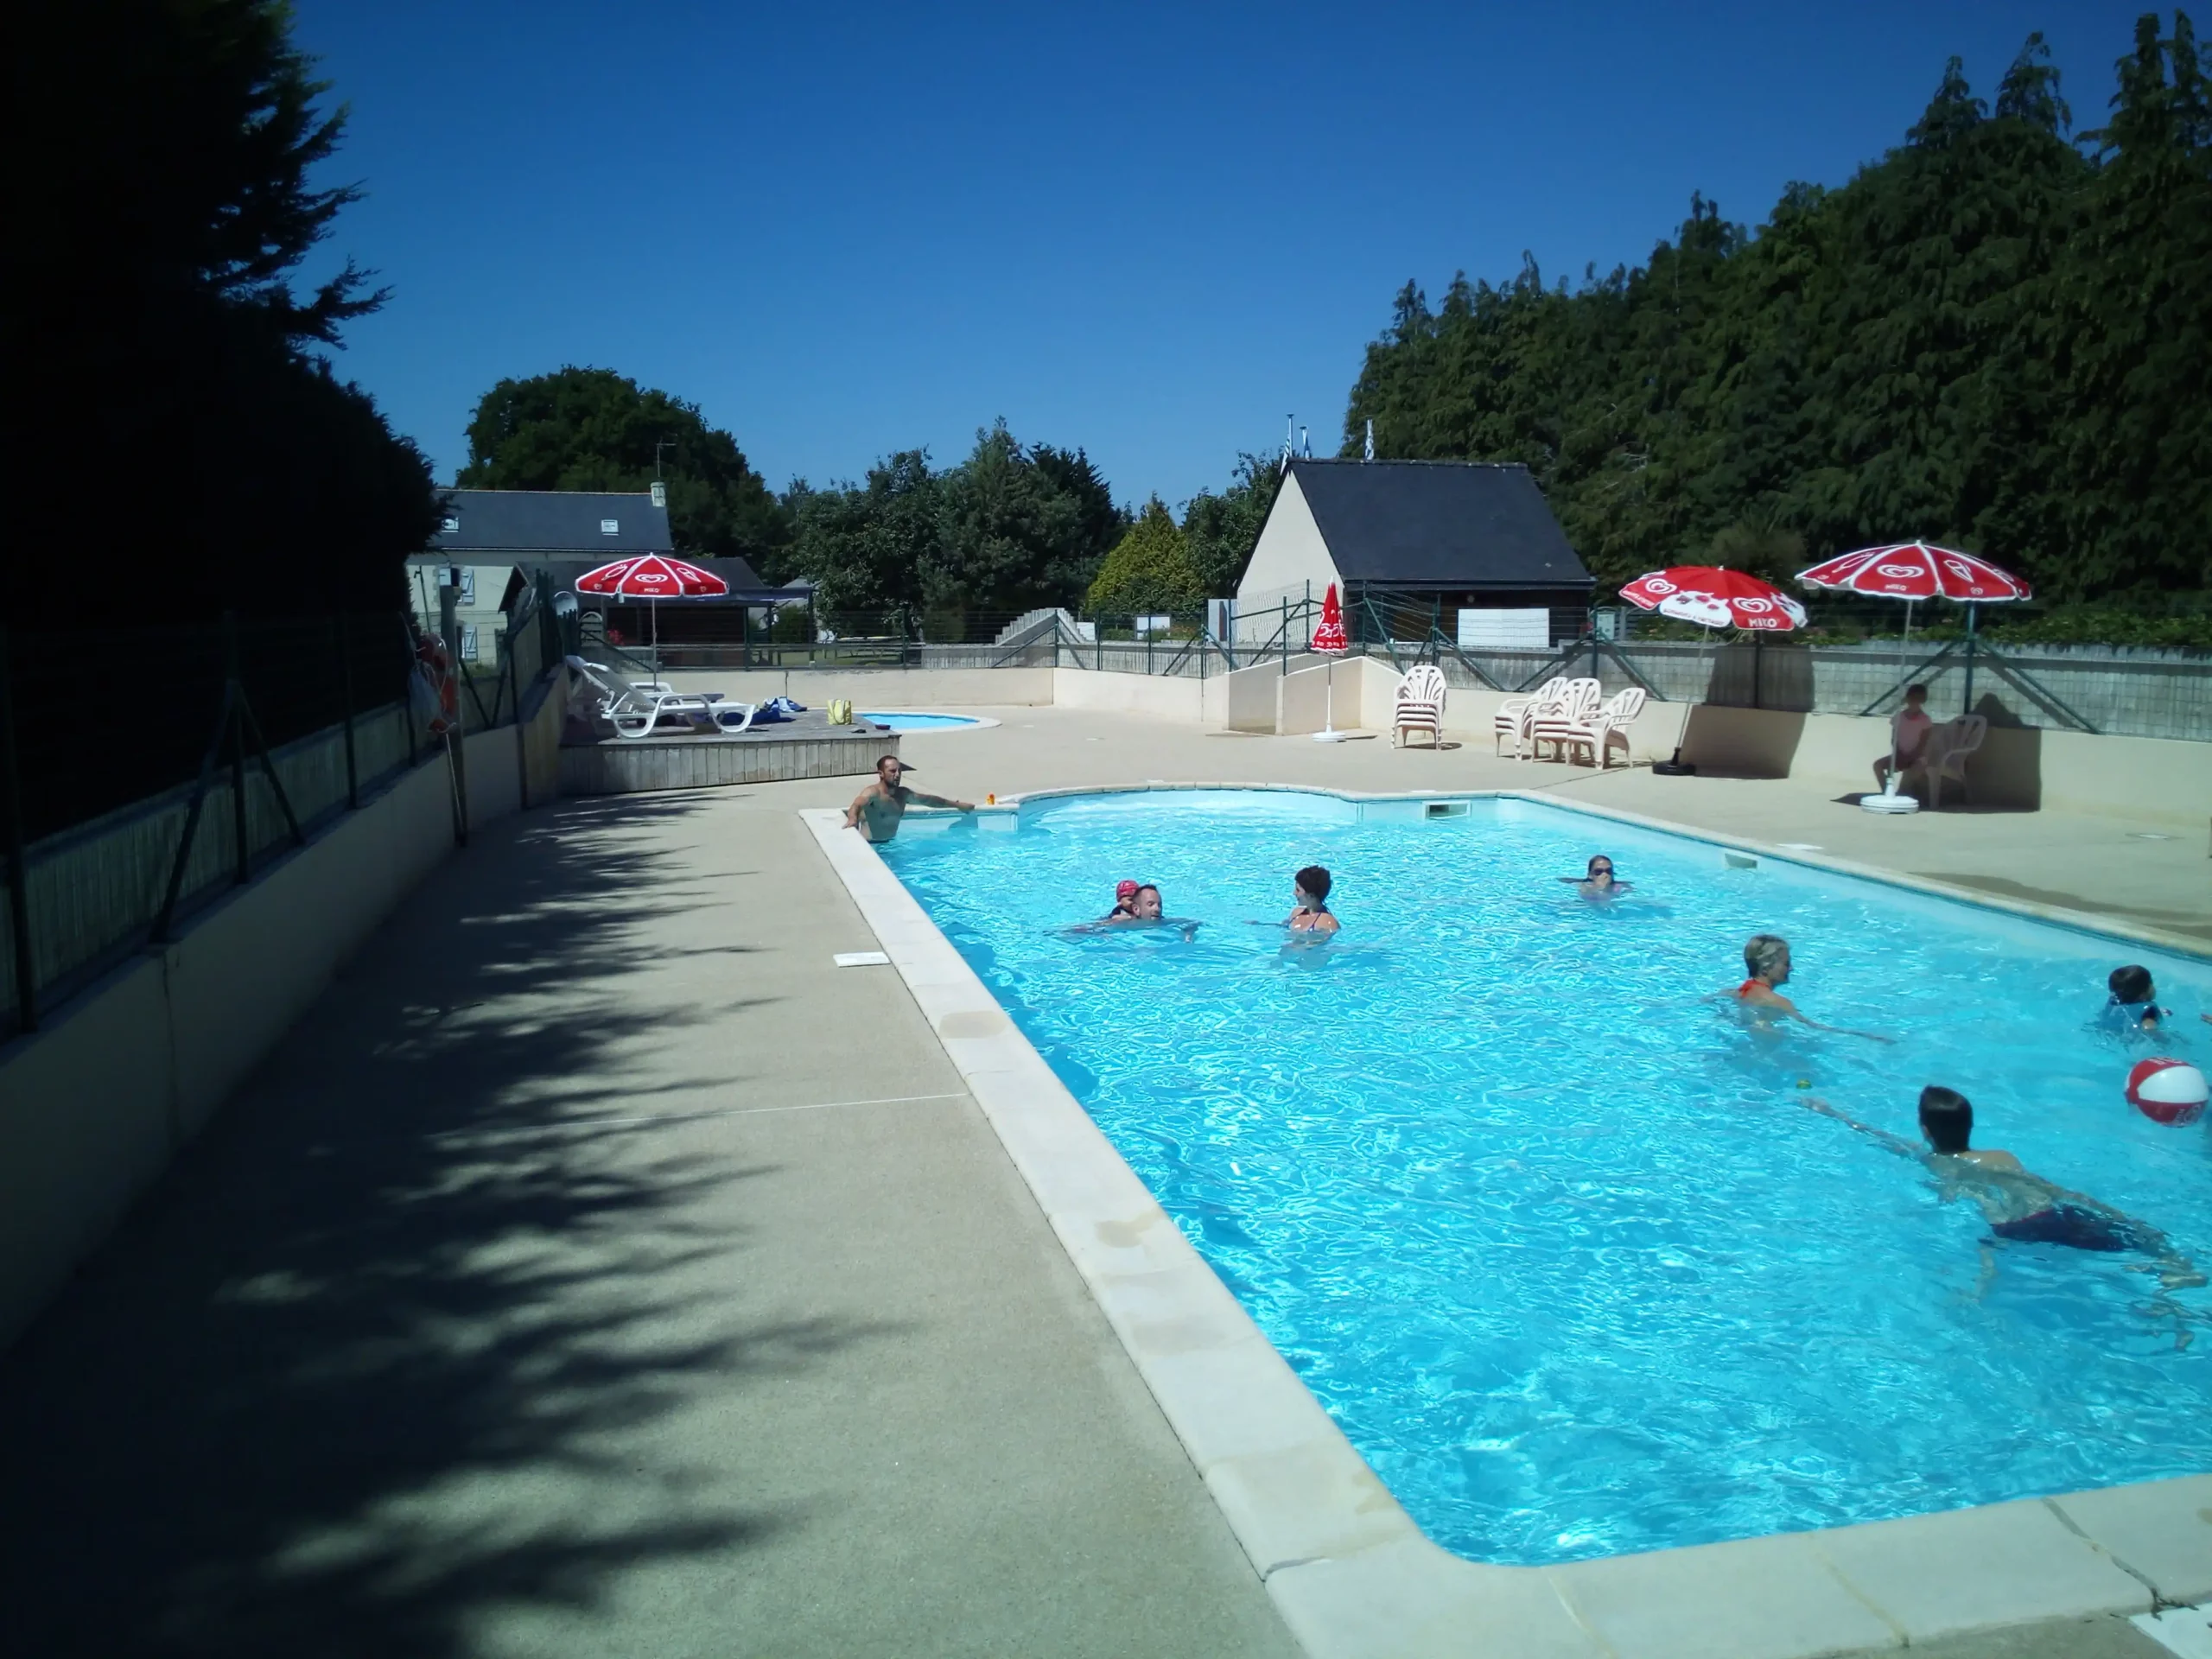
point(598, 1270)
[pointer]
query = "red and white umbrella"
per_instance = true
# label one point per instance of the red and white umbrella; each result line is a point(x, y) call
point(1914, 570)
point(1329, 641)
point(1716, 597)
point(1712, 596)
point(652, 577)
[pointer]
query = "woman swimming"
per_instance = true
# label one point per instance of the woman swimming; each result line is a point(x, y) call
point(1597, 881)
point(1311, 888)
point(1766, 960)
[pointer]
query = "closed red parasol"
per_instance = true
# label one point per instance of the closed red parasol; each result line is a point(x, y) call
point(1330, 641)
point(652, 577)
point(1716, 597)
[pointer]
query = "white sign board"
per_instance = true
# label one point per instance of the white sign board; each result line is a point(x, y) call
point(1150, 624)
point(1521, 629)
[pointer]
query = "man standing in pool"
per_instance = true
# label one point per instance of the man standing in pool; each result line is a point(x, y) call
point(2021, 1207)
point(1766, 960)
point(877, 809)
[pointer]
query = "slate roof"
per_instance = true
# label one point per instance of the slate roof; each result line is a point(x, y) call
point(1438, 524)
point(553, 521)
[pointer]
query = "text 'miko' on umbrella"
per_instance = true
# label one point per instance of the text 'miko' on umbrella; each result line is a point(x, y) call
point(652, 577)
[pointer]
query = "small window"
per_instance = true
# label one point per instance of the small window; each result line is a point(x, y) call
point(468, 584)
point(610, 526)
point(451, 525)
point(468, 642)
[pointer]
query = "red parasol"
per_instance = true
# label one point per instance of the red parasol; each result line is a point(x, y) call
point(1715, 597)
point(652, 577)
point(1330, 635)
point(1329, 639)
point(1712, 596)
point(1914, 570)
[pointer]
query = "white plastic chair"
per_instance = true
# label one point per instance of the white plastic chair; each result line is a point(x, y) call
point(1420, 706)
point(1511, 718)
point(1946, 752)
point(1577, 704)
point(1596, 730)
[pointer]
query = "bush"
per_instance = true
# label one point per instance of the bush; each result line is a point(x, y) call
point(1149, 569)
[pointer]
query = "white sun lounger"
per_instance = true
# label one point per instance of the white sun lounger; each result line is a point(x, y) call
point(634, 710)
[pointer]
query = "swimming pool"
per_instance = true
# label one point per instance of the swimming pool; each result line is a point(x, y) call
point(900, 719)
point(1550, 1238)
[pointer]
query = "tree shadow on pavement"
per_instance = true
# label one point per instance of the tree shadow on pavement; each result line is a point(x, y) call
point(397, 1347)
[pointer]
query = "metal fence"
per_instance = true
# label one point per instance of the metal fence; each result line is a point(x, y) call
point(143, 772)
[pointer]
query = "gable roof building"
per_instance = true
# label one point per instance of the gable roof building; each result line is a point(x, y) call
point(1452, 535)
point(594, 524)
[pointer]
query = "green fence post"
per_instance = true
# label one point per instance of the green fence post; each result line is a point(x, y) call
point(235, 689)
point(19, 900)
point(345, 690)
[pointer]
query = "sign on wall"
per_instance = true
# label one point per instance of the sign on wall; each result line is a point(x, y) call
point(1523, 628)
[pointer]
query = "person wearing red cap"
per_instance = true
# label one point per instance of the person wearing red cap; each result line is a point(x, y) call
point(1125, 904)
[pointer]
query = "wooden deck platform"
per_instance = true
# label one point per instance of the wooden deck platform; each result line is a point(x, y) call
point(806, 746)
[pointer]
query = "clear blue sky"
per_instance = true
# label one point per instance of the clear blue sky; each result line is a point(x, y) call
point(1147, 230)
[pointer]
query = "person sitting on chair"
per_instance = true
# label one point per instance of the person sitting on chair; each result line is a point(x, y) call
point(1908, 732)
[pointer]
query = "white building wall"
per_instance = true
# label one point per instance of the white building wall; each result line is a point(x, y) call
point(1291, 556)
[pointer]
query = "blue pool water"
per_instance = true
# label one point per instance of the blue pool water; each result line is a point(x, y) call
point(901, 721)
point(1552, 1237)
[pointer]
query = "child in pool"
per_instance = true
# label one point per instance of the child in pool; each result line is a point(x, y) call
point(1125, 894)
point(2133, 1005)
point(1766, 962)
point(2021, 1207)
point(1598, 882)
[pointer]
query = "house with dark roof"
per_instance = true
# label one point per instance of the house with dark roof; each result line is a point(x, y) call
point(501, 541)
point(1471, 545)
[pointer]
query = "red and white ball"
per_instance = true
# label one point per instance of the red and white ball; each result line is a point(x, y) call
point(2167, 1091)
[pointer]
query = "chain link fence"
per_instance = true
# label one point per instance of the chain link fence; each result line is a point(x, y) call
point(144, 771)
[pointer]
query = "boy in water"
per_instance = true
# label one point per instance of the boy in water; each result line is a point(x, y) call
point(2134, 1005)
point(1766, 962)
point(2020, 1207)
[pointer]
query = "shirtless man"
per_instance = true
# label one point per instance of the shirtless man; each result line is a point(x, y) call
point(2021, 1207)
point(876, 810)
point(1766, 960)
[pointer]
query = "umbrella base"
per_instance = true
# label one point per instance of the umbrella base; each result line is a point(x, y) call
point(1676, 767)
point(1330, 737)
point(1889, 806)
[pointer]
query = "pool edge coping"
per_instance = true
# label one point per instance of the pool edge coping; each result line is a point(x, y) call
point(1351, 1574)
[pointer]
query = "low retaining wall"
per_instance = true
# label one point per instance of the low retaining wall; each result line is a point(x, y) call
point(629, 767)
point(95, 1104)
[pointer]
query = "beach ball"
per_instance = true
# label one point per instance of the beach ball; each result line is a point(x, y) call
point(2167, 1091)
